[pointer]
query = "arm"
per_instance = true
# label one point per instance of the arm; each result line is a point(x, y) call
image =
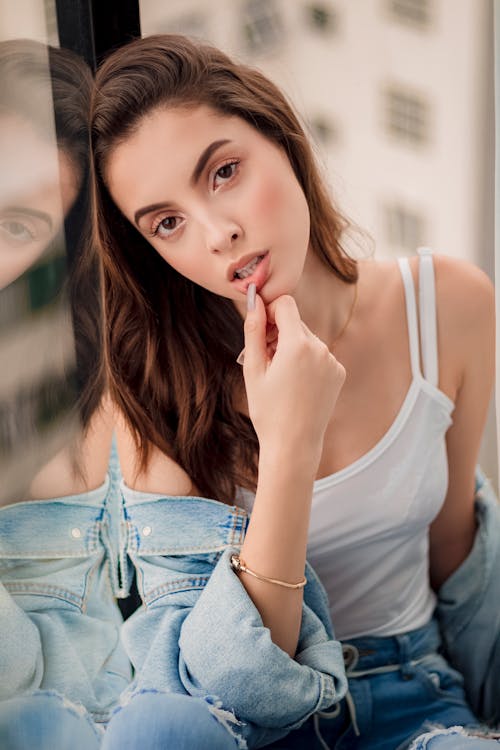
point(291, 394)
point(466, 335)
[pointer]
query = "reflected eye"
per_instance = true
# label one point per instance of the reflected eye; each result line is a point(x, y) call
point(17, 232)
point(225, 172)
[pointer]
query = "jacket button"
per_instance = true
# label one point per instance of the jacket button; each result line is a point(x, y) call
point(76, 533)
point(147, 531)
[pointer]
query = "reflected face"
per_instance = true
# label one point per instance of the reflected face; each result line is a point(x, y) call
point(38, 185)
point(216, 199)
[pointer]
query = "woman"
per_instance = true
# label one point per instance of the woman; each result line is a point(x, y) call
point(211, 211)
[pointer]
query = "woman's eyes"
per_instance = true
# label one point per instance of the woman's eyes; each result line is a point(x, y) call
point(167, 225)
point(226, 172)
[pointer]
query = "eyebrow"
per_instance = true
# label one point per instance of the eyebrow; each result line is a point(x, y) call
point(28, 212)
point(200, 166)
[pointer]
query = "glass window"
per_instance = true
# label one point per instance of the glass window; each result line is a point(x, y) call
point(321, 17)
point(414, 12)
point(262, 25)
point(407, 115)
point(50, 321)
point(405, 228)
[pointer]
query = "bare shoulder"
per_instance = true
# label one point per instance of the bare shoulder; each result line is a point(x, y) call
point(162, 475)
point(465, 290)
point(465, 302)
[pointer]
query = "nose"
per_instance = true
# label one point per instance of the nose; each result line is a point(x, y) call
point(221, 234)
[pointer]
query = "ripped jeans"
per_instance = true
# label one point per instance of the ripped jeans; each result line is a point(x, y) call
point(150, 721)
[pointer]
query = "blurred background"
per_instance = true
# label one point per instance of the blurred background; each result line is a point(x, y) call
point(398, 96)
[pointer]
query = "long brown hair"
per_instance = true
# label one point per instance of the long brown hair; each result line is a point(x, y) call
point(171, 344)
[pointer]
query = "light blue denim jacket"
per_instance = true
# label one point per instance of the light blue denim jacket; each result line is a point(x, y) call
point(468, 609)
point(59, 621)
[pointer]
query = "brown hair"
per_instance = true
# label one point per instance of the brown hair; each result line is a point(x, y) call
point(171, 344)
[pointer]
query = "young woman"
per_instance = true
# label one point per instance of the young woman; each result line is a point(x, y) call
point(344, 434)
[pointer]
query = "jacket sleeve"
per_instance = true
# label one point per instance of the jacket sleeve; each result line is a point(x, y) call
point(21, 662)
point(468, 609)
point(236, 659)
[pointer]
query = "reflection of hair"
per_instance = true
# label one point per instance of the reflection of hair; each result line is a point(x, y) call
point(49, 86)
point(172, 344)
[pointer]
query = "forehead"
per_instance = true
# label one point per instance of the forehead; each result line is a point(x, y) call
point(168, 142)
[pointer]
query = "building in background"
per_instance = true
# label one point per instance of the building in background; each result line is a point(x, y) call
point(397, 93)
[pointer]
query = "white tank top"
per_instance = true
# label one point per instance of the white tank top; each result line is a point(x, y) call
point(368, 536)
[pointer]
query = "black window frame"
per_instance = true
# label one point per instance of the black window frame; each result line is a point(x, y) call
point(92, 28)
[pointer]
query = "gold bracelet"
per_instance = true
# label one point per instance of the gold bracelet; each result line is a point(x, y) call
point(239, 567)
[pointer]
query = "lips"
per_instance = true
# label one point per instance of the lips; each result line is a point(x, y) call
point(239, 264)
point(258, 275)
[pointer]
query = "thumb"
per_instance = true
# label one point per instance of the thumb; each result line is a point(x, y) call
point(255, 335)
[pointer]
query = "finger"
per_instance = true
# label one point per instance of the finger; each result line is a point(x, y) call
point(283, 312)
point(255, 357)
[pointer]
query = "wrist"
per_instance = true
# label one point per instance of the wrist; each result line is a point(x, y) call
point(293, 457)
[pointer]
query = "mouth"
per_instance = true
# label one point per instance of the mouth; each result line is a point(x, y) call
point(255, 270)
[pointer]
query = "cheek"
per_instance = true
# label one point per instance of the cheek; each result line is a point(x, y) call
point(281, 203)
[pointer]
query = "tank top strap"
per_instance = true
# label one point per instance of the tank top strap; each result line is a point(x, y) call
point(411, 315)
point(427, 309)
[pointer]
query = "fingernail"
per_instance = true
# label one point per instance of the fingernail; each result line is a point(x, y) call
point(241, 357)
point(251, 292)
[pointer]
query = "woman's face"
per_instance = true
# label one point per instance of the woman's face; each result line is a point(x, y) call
point(217, 200)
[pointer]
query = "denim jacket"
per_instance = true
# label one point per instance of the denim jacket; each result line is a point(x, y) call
point(59, 621)
point(468, 609)
point(199, 632)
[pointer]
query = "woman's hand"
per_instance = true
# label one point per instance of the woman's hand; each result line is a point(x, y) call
point(292, 380)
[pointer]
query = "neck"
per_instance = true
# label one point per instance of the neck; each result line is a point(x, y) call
point(324, 301)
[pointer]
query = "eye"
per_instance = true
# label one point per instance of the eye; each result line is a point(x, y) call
point(166, 226)
point(225, 172)
point(17, 232)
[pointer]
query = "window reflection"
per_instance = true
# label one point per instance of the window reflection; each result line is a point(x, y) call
point(50, 327)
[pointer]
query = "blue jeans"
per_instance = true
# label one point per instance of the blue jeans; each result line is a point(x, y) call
point(169, 721)
point(46, 721)
point(399, 687)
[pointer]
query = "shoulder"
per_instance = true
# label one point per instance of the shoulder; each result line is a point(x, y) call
point(464, 290)
point(162, 474)
point(465, 300)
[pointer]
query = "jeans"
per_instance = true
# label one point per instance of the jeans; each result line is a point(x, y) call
point(46, 721)
point(168, 721)
point(399, 688)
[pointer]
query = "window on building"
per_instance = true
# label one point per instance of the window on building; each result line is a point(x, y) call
point(407, 115)
point(414, 12)
point(324, 130)
point(404, 227)
point(321, 17)
point(262, 25)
